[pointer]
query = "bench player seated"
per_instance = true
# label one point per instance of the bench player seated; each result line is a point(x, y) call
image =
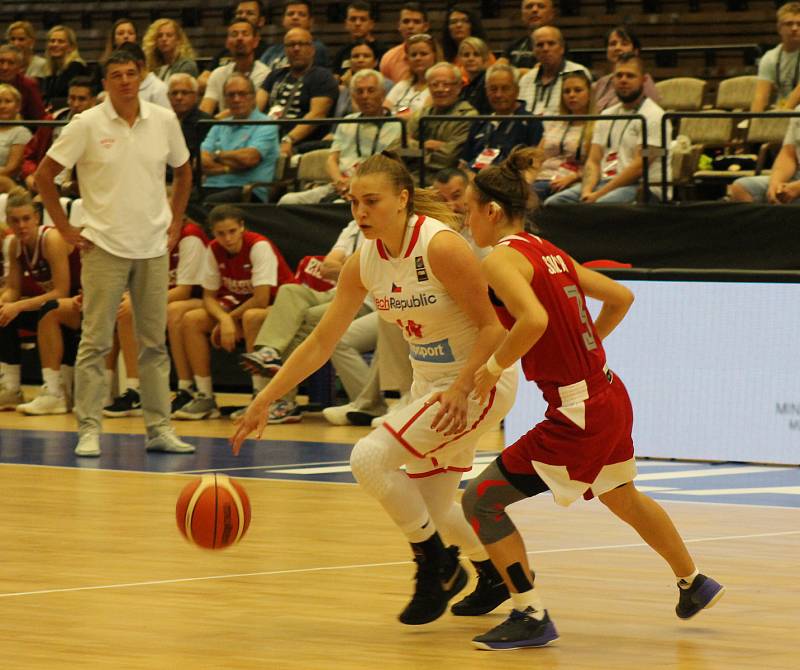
point(243, 272)
point(43, 268)
point(187, 262)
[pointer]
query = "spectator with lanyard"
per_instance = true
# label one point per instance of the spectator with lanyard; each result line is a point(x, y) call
point(566, 143)
point(353, 142)
point(541, 87)
point(613, 169)
point(489, 142)
point(299, 91)
point(411, 94)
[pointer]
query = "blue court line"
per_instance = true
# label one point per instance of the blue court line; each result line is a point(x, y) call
point(295, 460)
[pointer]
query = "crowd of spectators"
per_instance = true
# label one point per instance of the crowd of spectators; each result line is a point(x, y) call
point(449, 70)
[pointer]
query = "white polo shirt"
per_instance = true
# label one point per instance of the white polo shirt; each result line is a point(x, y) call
point(122, 175)
point(219, 76)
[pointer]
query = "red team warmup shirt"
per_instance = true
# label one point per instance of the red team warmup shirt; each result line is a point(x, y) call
point(584, 445)
point(235, 276)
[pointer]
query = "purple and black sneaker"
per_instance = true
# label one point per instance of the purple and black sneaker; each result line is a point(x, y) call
point(519, 631)
point(702, 594)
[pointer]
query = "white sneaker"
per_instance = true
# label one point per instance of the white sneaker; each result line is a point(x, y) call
point(9, 399)
point(338, 415)
point(170, 443)
point(43, 404)
point(88, 445)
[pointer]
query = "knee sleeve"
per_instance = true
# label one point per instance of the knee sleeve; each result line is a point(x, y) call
point(374, 468)
point(485, 502)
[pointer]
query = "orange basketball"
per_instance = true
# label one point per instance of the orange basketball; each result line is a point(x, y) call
point(213, 512)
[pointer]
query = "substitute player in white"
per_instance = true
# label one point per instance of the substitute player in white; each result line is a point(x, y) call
point(423, 277)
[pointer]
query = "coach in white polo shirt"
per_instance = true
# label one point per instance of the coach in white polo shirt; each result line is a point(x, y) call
point(121, 149)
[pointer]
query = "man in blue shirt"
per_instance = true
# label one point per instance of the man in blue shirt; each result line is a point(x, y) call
point(236, 155)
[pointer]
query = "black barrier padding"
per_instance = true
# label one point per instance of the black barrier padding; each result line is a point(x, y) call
point(698, 235)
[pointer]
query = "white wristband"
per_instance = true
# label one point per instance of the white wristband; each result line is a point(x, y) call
point(493, 367)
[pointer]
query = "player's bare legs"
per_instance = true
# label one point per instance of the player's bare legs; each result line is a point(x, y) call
point(650, 520)
point(653, 524)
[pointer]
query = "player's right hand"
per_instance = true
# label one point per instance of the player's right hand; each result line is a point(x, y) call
point(254, 419)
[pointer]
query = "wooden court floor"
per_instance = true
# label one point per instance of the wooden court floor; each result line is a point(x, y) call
point(95, 575)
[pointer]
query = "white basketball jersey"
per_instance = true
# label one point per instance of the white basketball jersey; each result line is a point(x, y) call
point(440, 335)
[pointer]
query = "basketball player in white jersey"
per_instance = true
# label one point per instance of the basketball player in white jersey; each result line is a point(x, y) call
point(424, 277)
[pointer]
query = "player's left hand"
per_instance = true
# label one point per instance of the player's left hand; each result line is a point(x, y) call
point(452, 415)
point(485, 381)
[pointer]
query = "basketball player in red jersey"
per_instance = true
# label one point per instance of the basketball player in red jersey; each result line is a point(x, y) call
point(584, 446)
point(243, 272)
point(43, 269)
point(424, 278)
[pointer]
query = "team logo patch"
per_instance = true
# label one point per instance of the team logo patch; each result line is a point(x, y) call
point(396, 288)
point(419, 264)
point(432, 352)
point(107, 142)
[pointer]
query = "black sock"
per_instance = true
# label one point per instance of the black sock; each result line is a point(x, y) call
point(431, 549)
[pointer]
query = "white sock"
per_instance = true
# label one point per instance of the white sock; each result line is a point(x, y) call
point(133, 383)
point(686, 582)
point(204, 385)
point(11, 376)
point(53, 382)
point(185, 384)
point(521, 601)
point(259, 382)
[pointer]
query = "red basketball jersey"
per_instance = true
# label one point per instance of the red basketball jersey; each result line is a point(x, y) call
point(37, 277)
point(570, 349)
point(236, 272)
point(188, 230)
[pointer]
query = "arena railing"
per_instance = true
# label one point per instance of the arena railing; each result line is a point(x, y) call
point(426, 120)
point(379, 120)
point(666, 139)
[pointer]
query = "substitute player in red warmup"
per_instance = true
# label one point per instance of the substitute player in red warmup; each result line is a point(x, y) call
point(584, 446)
point(425, 278)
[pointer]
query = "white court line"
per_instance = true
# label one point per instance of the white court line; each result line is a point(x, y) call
point(272, 573)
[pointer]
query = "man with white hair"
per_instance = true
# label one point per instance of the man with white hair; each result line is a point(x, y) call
point(443, 140)
point(352, 142)
point(540, 88)
point(182, 90)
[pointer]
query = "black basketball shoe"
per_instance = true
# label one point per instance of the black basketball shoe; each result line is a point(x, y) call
point(438, 580)
point(490, 592)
